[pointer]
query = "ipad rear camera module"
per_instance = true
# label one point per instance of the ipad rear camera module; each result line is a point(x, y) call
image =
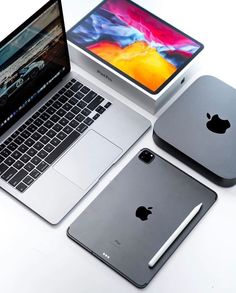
point(146, 156)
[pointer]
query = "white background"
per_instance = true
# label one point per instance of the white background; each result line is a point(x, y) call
point(36, 257)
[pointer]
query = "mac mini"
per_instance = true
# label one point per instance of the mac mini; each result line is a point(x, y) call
point(199, 128)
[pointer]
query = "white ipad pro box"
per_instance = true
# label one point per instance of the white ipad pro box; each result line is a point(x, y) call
point(143, 58)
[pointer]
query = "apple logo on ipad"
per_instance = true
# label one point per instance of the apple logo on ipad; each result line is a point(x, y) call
point(216, 124)
point(142, 213)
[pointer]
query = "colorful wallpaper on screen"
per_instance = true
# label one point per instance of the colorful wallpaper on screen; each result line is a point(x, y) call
point(136, 43)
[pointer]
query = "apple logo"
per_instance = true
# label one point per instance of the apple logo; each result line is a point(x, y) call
point(216, 124)
point(142, 213)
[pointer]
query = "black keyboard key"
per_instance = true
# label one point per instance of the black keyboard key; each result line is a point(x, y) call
point(63, 121)
point(19, 140)
point(62, 147)
point(88, 121)
point(22, 128)
point(76, 86)
point(18, 177)
point(75, 110)
point(38, 122)
point(67, 129)
point(49, 103)
point(48, 124)
point(29, 121)
point(95, 102)
point(9, 161)
point(74, 123)
point(61, 91)
point(16, 155)
point(14, 135)
point(57, 127)
point(7, 141)
point(82, 127)
point(42, 154)
point(42, 130)
point(68, 85)
point(45, 139)
point(81, 104)
point(29, 167)
point(61, 112)
point(55, 141)
point(42, 109)
point(85, 90)
point(3, 168)
point(79, 95)
point(89, 97)
point(36, 160)
point(73, 80)
point(80, 118)
point(29, 142)
point(55, 118)
point(51, 110)
point(55, 97)
point(5, 153)
point(38, 145)
point(69, 94)
point(61, 135)
point(63, 99)
point(9, 174)
point(28, 180)
point(100, 109)
point(32, 128)
point(96, 116)
point(36, 136)
point(44, 116)
point(86, 112)
point(73, 101)
point(108, 104)
point(2, 146)
point(67, 107)
point(42, 166)
point(70, 116)
point(1, 159)
point(49, 148)
point(36, 115)
point(18, 165)
point(35, 174)
point(31, 152)
point(57, 105)
point(25, 158)
point(21, 187)
point(23, 148)
point(51, 133)
point(12, 146)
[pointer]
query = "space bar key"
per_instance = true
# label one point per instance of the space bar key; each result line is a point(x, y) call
point(62, 147)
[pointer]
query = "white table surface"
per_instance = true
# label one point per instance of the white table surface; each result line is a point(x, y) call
point(38, 258)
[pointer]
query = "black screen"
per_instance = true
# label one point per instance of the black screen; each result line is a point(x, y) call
point(32, 59)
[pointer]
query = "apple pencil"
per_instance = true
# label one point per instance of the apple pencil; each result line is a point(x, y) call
point(173, 237)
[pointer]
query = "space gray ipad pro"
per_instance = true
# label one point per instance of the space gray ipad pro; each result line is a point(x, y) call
point(200, 129)
point(137, 212)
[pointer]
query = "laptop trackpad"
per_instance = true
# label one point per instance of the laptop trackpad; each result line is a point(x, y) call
point(88, 159)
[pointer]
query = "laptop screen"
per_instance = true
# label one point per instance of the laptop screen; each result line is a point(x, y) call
point(32, 60)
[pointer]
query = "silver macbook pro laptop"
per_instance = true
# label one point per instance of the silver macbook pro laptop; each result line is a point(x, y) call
point(59, 133)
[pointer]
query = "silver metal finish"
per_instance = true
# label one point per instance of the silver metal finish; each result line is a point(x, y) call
point(53, 195)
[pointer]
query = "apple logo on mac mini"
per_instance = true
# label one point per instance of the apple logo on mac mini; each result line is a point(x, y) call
point(216, 124)
point(142, 213)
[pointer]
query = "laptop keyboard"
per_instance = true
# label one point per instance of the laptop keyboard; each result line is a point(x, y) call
point(34, 146)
